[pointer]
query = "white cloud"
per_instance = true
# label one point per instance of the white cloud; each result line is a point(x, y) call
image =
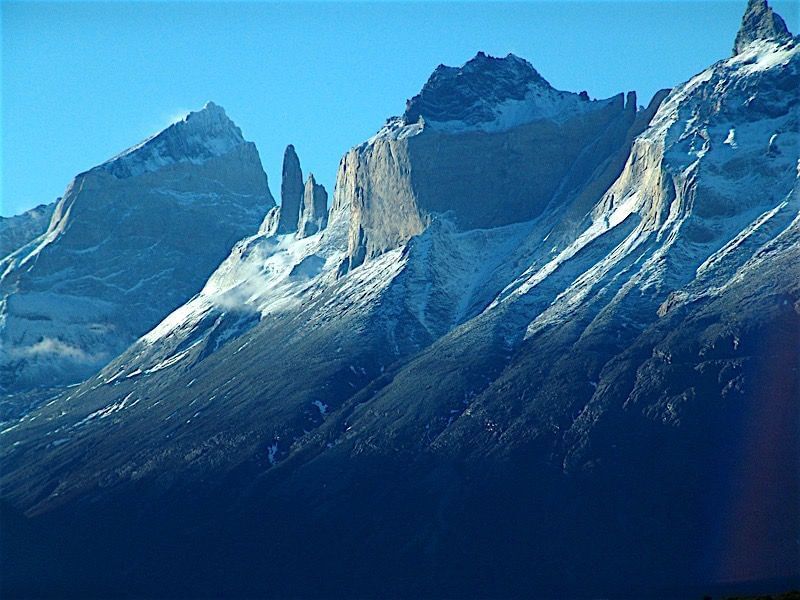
point(54, 348)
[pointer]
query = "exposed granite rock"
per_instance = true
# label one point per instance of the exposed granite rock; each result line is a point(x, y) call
point(303, 209)
point(374, 184)
point(760, 22)
point(577, 202)
point(485, 170)
point(291, 192)
point(314, 209)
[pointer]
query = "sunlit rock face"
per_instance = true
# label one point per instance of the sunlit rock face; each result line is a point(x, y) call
point(131, 239)
point(490, 143)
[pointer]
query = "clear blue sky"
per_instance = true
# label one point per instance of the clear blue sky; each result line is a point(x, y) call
point(83, 81)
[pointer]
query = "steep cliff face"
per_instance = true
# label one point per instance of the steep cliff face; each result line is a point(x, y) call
point(472, 145)
point(131, 240)
point(704, 217)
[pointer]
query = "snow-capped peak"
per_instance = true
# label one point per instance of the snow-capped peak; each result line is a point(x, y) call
point(489, 94)
point(759, 23)
point(470, 92)
point(200, 135)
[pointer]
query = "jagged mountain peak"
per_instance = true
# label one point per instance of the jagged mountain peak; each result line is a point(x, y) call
point(469, 92)
point(212, 118)
point(489, 94)
point(212, 107)
point(149, 227)
point(314, 209)
point(760, 22)
point(529, 323)
point(291, 191)
point(510, 65)
point(304, 206)
point(290, 157)
point(199, 136)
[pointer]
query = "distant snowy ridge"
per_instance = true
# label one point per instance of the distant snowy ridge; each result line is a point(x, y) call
point(490, 94)
point(131, 240)
point(673, 221)
point(18, 230)
point(200, 135)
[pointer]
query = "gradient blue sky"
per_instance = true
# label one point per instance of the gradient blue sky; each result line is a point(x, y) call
point(83, 81)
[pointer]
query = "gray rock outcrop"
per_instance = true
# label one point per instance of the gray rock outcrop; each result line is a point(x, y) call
point(760, 22)
point(270, 223)
point(291, 192)
point(304, 207)
point(314, 209)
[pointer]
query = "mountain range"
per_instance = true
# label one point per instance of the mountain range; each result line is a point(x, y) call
point(539, 345)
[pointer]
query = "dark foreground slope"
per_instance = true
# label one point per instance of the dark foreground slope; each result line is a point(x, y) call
point(685, 480)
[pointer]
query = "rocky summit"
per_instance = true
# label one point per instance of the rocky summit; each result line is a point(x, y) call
point(483, 162)
point(539, 345)
point(304, 207)
point(292, 190)
point(760, 22)
point(472, 93)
